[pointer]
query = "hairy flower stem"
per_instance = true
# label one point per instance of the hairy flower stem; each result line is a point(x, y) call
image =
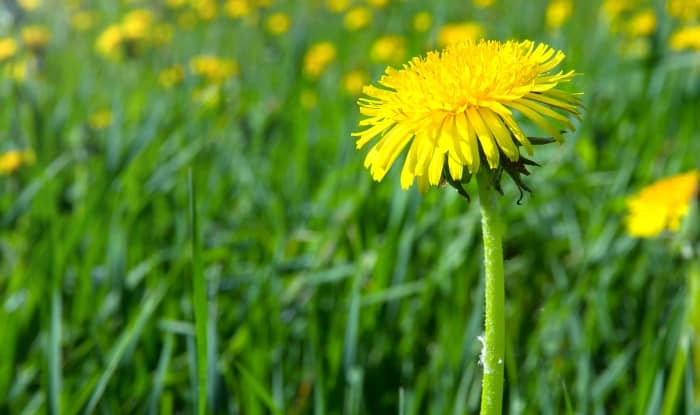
point(492, 355)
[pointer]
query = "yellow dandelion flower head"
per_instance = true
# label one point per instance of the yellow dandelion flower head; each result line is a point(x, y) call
point(278, 23)
point(12, 160)
point(378, 4)
point(482, 4)
point(8, 48)
point(455, 107)
point(171, 76)
point(357, 18)
point(237, 9)
point(337, 6)
point(422, 22)
point(661, 206)
point(642, 24)
point(388, 49)
point(35, 36)
point(686, 10)
point(557, 13)
point(459, 32)
point(137, 24)
point(214, 69)
point(353, 82)
point(100, 119)
point(317, 58)
point(206, 9)
point(686, 38)
point(108, 43)
point(175, 4)
point(29, 5)
point(19, 69)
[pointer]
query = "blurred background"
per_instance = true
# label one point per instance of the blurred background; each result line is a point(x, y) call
point(327, 292)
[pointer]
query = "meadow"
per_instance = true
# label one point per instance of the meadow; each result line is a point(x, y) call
point(185, 206)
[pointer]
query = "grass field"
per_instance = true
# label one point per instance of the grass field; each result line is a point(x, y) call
point(297, 284)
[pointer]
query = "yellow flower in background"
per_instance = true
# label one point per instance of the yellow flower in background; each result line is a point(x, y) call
point(175, 4)
point(137, 24)
point(100, 120)
point(357, 18)
point(29, 5)
point(686, 38)
point(661, 206)
point(454, 107)
point(337, 6)
point(171, 76)
point(482, 4)
point(278, 23)
point(108, 43)
point(206, 9)
point(317, 58)
point(422, 22)
point(353, 82)
point(686, 10)
point(18, 69)
point(237, 9)
point(12, 160)
point(162, 34)
point(458, 32)
point(614, 8)
point(388, 49)
point(8, 48)
point(214, 69)
point(642, 24)
point(378, 4)
point(35, 37)
point(557, 13)
point(83, 20)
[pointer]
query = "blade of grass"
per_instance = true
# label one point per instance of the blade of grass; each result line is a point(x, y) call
point(199, 299)
point(257, 389)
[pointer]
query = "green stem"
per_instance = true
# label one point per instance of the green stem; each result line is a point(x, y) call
point(492, 355)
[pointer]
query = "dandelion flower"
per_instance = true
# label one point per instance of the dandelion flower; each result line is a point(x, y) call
point(12, 160)
point(422, 22)
point(83, 20)
point(642, 23)
point(483, 4)
point(277, 23)
point(29, 5)
point(557, 13)
point(100, 120)
point(171, 76)
point(686, 38)
point(317, 58)
point(686, 10)
point(459, 32)
point(388, 49)
point(454, 108)
point(8, 48)
point(213, 69)
point(662, 205)
point(357, 18)
point(353, 82)
point(35, 37)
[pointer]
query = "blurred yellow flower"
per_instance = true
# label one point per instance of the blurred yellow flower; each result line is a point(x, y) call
point(163, 34)
point(458, 32)
point(686, 10)
point(171, 76)
point(209, 95)
point(187, 20)
point(108, 43)
point(388, 49)
point(317, 58)
point(17, 69)
point(483, 3)
point(100, 119)
point(29, 5)
point(686, 38)
point(337, 6)
point(277, 23)
point(454, 108)
point(642, 24)
point(137, 24)
point(353, 82)
point(558, 12)
point(214, 69)
point(422, 22)
point(8, 48)
point(35, 37)
point(12, 160)
point(662, 205)
point(357, 18)
point(206, 9)
point(237, 9)
point(378, 4)
point(175, 4)
point(83, 20)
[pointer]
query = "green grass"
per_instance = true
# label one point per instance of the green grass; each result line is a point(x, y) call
point(314, 289)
